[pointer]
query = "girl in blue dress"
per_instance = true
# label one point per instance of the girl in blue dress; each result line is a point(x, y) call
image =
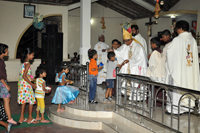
point(64, 93)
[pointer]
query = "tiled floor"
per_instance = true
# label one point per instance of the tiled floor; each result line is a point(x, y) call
point(55, 128)
point(15, 109)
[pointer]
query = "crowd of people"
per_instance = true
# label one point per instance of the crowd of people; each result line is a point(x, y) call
point(32, 90)
point(177, 64)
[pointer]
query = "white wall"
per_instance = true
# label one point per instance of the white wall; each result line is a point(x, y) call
point(112, 22)
point(12, 25)
point(189, 5)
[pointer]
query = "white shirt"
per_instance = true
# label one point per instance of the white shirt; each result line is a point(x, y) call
point(156, 70)
point(139, 38)
point(138, 59)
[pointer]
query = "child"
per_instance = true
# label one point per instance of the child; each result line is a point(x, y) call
point(111, 75)
point(156, 69)
point(40, 93)
point(115, 44)
point(4, 88)
point(25, 91)
point(64, 94)
point(93, 72)
point(4, 117)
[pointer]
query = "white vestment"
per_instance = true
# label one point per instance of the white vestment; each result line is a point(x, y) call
point(183, 65)
point(156, 70)
point(137, 62)
point(166, 68)
point(140, 39)
point(102, 57)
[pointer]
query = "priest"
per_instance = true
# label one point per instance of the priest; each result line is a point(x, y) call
point(101, 48)
point(138, 37)
point(166, 37)
point(183, 65)
point(133, 54)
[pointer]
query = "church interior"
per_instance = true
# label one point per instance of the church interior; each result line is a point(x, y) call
point(56, 29)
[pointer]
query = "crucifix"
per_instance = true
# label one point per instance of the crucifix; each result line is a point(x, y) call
point(149, 25)
point(198, 39)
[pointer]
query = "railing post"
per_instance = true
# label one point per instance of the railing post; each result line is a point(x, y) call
point(87, 83)
point(117, 90)
point(152, 96)
point(189, 114)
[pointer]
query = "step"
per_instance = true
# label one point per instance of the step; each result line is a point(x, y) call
point(109, 122)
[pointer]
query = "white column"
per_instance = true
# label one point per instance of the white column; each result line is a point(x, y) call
point(65, 33)
point(85, 30)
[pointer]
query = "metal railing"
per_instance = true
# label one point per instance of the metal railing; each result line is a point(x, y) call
point(79, 75)
point(140, 88)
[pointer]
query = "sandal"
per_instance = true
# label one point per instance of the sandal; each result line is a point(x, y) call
point(25, 120)
point(34, 121)
point(9, 127)
point(12, 121)
point(38, 119)
point(45, 121)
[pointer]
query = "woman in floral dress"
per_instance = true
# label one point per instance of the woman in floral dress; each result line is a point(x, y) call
point(25, 91)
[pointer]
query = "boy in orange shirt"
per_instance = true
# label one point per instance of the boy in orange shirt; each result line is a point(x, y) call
point(93, 72)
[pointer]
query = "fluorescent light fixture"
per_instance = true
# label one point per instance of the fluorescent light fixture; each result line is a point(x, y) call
point(173, 16)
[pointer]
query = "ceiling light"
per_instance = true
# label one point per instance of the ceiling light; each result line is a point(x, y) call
point(173, 16)
point(162, 2)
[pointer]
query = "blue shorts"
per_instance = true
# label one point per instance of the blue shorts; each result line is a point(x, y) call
point(110, 83)
point(3, 91)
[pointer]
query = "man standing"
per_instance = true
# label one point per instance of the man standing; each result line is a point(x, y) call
point(166, 37)
point(183, 65)
point(138, 37)
point(101, 48)
point(133, 54)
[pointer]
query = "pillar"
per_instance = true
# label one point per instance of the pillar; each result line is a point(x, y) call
point(85, 30)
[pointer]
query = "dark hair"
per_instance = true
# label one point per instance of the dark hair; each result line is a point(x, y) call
point(119, 43)
point(75, 53)
point(135, 26)
point(156, 40)
point(25, 53)
point(91, 53)
point(166, 33)
point(115, 40)
point(64, 65)
point(182, 24)
point(110, 54)
point(3, 47)
point(39, 71)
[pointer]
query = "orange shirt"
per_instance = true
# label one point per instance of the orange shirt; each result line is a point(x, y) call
point(93, 64)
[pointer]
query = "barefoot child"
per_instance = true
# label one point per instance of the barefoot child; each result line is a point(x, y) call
point(64, 94)
point(4, 88)
point(25, 87)
point(111, 76)
point(40, 93)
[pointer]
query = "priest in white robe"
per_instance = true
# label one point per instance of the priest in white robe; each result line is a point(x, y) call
point(101, 48)
point(134, 53)
point(166, 37)
point(138, 37)
point(183, 65)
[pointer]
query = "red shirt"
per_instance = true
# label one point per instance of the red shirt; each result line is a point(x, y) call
point(93, 64)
